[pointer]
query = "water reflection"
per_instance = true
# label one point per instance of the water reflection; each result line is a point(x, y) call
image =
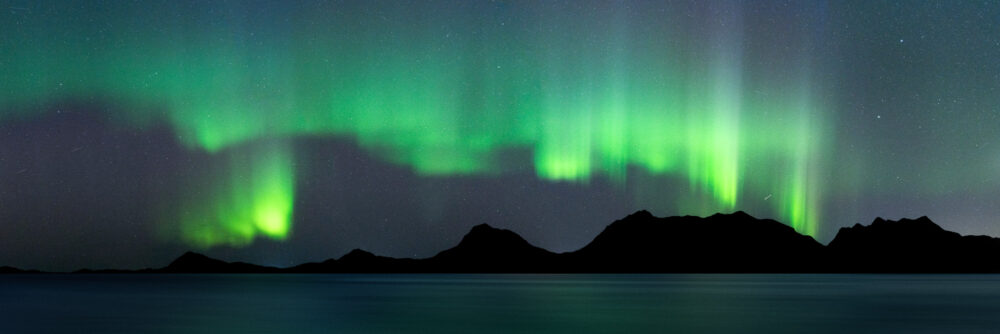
point(500, 303)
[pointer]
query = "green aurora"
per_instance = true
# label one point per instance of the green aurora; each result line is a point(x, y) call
point(588, 98)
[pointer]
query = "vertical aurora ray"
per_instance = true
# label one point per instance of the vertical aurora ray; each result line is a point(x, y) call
point(804, 196)
point(250, 195)
point(438, 89)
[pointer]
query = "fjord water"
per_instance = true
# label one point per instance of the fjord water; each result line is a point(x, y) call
point(54, 303)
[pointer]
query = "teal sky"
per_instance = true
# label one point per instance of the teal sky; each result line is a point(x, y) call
point(295, 131)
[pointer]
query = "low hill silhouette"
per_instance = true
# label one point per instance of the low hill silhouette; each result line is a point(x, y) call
point(192, 262)
point(359, 261)
point(643, 243)
point(12, 270)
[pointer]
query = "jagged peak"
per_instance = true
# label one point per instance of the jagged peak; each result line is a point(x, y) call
point(921, 221)
point(487, 230)
point(641, 214)
point(639, 217)
point(358, 251)
point(738, 214)
point(641, 235)
point(741, 213)
point(356, 254)
point(484, 233)
point(192, 256)
point(484, 227)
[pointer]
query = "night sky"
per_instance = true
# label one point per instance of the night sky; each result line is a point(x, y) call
point(280, 132)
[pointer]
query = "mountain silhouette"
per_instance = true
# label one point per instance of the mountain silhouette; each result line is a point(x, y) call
point(911, 245)
point(359, 261)
point(735, 242)
point(483, 249)
point(488, 249)
point(12, 270)
point(192, 262)
point(643, 243)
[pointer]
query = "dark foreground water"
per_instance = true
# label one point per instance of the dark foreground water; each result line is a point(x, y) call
point(499, 303)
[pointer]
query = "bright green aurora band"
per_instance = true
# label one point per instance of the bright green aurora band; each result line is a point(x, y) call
point(442, 91)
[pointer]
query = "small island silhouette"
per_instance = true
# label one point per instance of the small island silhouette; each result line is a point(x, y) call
point(642, 243)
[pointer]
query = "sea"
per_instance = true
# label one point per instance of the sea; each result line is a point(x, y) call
point(501, 303)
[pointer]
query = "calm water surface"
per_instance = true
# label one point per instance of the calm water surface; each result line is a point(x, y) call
point(499, 303)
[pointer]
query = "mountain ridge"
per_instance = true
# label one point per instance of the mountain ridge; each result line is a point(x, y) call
point(643, 243)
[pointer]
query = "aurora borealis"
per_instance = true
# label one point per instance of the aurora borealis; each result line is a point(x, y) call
point(278, 129)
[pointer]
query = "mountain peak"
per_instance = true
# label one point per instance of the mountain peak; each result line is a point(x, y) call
point(357, 254)
point(910, 245)
point(190, 257)
point(738, 215)
point(741, 214)
point(9, 270)
point(486, 234)
point(484, 228)
point(722, 242)
point(905, 223)
point(193, 262)
point(489, 249)
point(882, 233)
point(641, 242)
point(641, 214)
